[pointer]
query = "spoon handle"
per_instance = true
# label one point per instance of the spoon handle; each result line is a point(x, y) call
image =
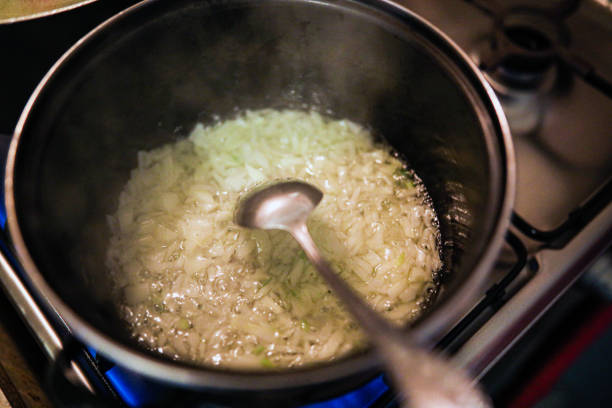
point(423, 379)
point(361, 311)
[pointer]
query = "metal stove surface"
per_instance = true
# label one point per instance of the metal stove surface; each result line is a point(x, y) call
point(560, 118)
point(562, 134)
point(561, 124)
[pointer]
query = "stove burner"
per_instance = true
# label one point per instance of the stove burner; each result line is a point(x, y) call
point(520, 58)
point(535, 50)
point(528, 38)
point(522, 51)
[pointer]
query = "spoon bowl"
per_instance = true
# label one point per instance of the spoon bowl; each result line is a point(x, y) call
point(278, 206)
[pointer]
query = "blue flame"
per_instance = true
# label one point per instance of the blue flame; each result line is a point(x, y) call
point(139, 392)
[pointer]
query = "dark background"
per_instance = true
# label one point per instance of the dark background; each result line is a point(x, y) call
point(29, 48)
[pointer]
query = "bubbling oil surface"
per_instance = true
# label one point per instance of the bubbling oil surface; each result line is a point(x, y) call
point(192, 285)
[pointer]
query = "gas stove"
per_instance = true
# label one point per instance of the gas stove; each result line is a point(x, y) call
point(549, 63)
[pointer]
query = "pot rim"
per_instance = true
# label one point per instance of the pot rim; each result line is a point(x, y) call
point(43, 12)
point(424, 333)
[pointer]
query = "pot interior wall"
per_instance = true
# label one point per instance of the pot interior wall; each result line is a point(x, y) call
point(149, 78)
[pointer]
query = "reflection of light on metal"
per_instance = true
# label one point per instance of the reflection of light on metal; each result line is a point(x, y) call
point(523, 111)
point(80, 376)
point(12, 11)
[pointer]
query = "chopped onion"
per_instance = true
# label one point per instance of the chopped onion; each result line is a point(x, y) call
point(194, 286)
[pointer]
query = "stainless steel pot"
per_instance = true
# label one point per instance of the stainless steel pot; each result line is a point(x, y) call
point(144, 77)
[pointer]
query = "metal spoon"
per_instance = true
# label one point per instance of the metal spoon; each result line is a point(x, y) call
point(422, 379)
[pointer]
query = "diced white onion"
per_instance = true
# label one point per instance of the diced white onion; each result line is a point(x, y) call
point(194, 286)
